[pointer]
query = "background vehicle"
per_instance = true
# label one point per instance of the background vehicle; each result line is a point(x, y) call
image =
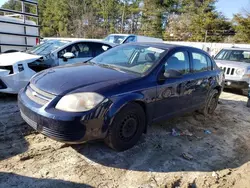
point(114, 98)
point(17, 33)
point(236, 64)
point(126, 38)
point(17, 68)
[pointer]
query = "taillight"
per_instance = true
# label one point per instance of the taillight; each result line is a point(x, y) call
point(37, 41)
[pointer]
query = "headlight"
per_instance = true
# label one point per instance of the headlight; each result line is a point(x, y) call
point(239, 71)
point(79, 102)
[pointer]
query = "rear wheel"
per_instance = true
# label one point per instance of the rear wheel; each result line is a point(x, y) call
point(127, 128)
point(211, 103)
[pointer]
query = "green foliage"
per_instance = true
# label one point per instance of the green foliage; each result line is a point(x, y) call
point(197, 21)
point(187, 20)
point(242, 28)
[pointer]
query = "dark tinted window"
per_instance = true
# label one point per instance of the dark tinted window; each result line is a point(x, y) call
point(179, 62)
point(84, 50)
point(99, 48)
point(200, 62)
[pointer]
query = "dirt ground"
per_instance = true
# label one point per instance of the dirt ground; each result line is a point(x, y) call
point(210, 152)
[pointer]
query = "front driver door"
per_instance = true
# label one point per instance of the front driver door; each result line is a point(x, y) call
point(83, 51)
point(174, 94)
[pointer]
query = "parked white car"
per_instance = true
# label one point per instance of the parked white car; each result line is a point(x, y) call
point(126, 38)
point(17, 68)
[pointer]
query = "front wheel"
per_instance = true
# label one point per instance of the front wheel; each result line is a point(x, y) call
point(127, 128)
point(211, 102)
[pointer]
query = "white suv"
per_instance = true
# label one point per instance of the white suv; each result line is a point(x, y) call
point(236, 64)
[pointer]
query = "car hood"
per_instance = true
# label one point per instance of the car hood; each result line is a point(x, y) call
point(236, 64)
point(65, 79)
point(17, 57)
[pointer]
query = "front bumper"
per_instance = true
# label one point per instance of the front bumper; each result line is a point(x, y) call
point(236, 84)
point(62, 126)
point(13, 83)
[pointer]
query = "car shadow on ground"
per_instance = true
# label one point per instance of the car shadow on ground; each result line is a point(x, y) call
point(12, 128)
point(14, 180)
point(206, 143)
point(234, 91)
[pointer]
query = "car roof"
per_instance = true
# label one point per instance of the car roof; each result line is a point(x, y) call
point(121, 34)
point(236, 48)
point(165, 46)
point(74, 40)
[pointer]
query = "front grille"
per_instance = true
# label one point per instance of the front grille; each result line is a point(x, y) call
point(63, 136)
point(10, 68)
point(31, 123)
point(38, 95)
point(228, 70)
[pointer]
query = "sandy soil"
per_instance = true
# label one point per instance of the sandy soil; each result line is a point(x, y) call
point(195, 159)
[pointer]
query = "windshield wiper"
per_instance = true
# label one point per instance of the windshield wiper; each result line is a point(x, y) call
point(112, 67)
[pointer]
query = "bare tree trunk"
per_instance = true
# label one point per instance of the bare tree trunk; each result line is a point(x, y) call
point(123, 14)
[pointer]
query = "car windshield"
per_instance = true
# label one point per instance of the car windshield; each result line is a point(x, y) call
point(47, 47)
point(234, 55)
point(117, 39)
point(130, 58)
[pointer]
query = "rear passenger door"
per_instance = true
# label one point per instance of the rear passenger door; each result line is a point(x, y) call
point(202, 76)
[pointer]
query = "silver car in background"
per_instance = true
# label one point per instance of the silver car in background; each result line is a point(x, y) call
point(236, 64)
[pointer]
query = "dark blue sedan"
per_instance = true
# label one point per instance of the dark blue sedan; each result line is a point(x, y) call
point(116, 95)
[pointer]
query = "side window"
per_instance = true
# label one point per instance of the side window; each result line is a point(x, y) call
point(179, 62)
point(67, 49)
point(80, 50)
point(99, 48)
point(85, 50)
point(130, 39)
point(200, 63)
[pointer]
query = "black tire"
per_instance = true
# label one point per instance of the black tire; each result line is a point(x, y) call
point(127, 127)
point(248, 103)
point(211, 103)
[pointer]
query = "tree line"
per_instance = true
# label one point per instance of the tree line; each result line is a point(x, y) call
point(182, 20)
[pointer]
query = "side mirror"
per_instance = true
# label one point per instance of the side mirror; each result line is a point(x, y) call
point(68, 55)
point(171, 73)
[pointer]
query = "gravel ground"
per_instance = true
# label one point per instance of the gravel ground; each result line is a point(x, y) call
point(210, 152)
